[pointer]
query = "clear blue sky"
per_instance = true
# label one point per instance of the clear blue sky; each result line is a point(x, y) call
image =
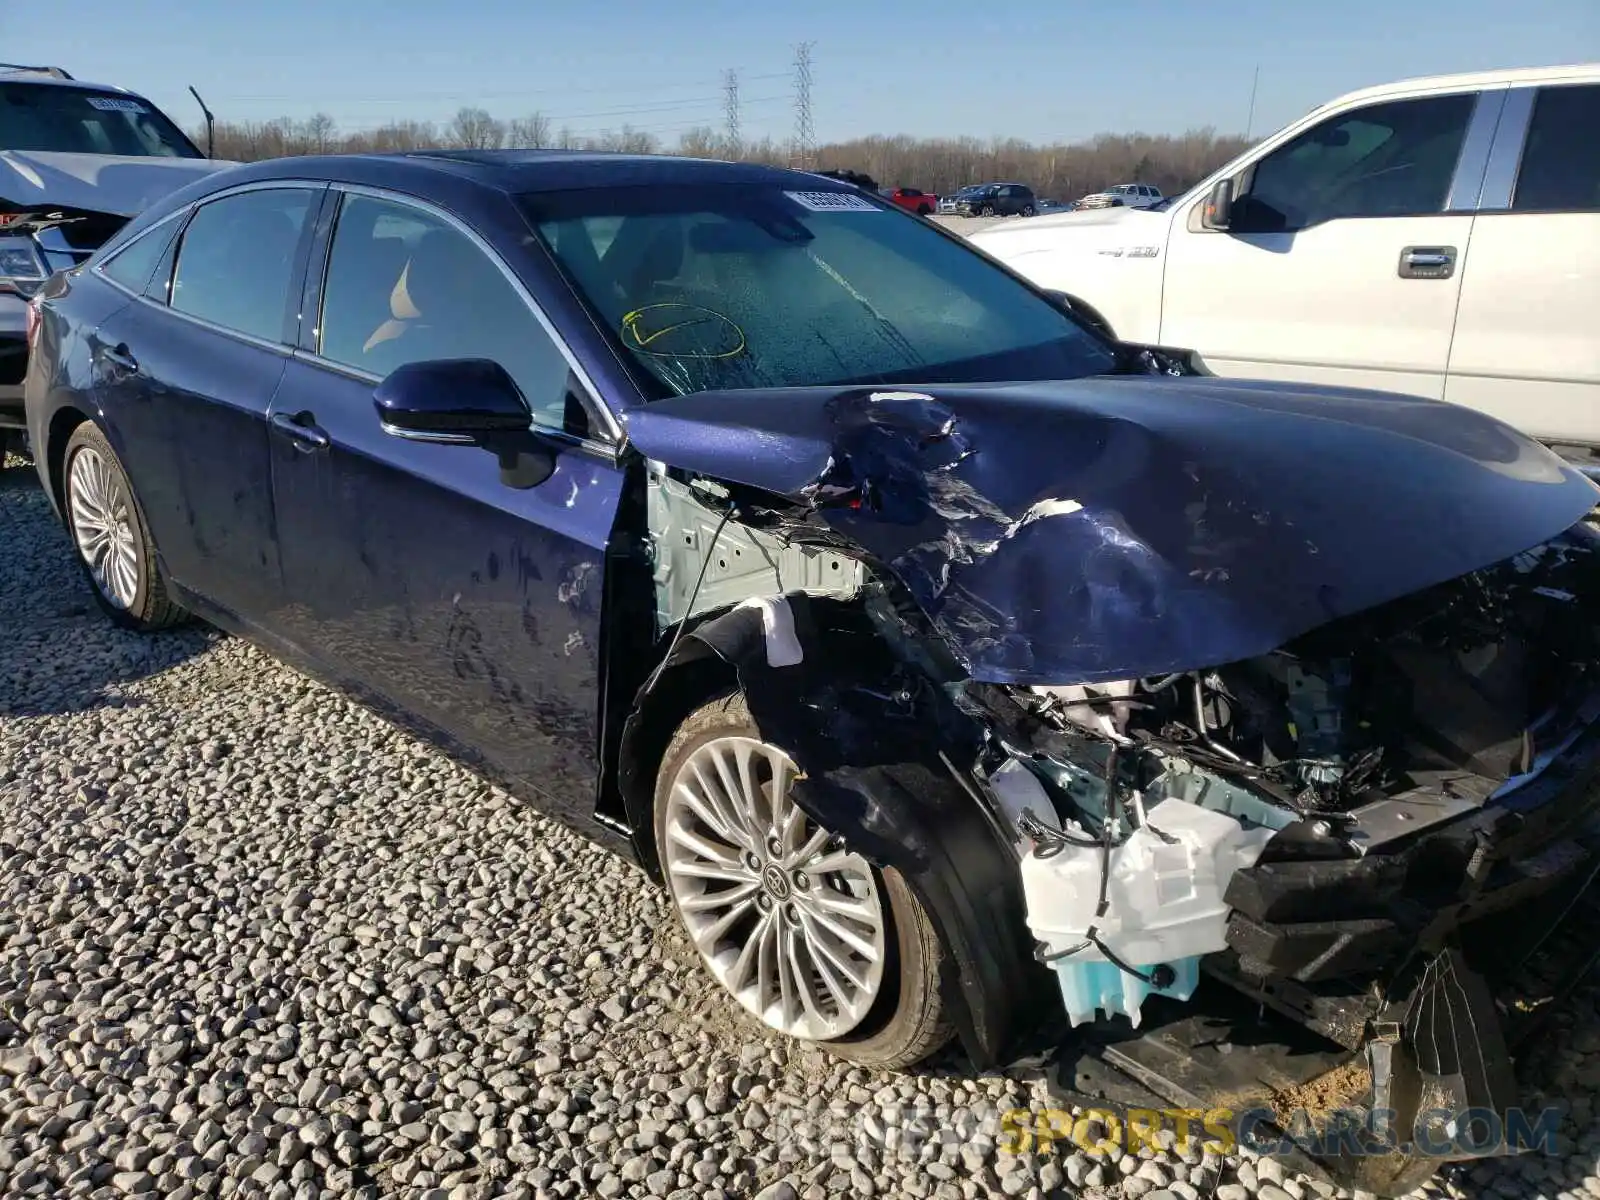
point(1057, 69)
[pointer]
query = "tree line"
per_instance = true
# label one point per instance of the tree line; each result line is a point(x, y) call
point(1061, 170)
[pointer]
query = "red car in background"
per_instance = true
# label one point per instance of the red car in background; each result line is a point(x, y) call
point(912, 200)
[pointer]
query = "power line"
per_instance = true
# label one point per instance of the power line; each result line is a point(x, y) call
point(730, 111)
point(804, 133)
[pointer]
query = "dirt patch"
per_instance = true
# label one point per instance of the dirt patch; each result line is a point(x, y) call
point(1341, 1088)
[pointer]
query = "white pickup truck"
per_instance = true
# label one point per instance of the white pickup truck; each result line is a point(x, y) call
point(1438, 237)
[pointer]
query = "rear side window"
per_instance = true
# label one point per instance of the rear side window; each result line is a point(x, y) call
point(135, 263)
point(1561, 161)
point(237, 260)
point(405, 286)
point(1386, 160)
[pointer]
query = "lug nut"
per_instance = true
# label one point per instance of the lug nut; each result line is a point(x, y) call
point(764, 902)
point(802, 880)
point(751, 861)
point(792, 914)
point(775, 848)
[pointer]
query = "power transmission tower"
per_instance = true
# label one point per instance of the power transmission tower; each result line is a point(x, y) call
point(805, 137)
point(730, 112)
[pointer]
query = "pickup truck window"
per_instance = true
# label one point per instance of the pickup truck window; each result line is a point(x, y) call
point(1561, 160)
point(1386, 160)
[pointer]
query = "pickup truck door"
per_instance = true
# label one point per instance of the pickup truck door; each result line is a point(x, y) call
point(1527, 343)
point(1344, 261)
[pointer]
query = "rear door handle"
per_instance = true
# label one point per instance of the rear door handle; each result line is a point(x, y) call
point(121, 357)
point(301, 429)
point(1427, 262)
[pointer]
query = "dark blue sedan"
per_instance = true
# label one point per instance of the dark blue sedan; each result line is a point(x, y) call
point(773, 535)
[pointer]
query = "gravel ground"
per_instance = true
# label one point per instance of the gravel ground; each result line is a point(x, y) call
point(254, 941)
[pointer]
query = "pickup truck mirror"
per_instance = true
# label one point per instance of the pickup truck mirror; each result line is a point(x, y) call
point(1217, 212)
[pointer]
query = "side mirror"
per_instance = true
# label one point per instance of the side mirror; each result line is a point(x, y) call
point(1217, 212)
point(454, 400)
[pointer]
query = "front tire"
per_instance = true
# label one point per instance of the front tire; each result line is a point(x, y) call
point(809, 938)
point(986, 211)
point(110, 536)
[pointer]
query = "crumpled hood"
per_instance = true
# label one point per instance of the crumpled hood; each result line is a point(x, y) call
point(121, 185)
point(1116, 527)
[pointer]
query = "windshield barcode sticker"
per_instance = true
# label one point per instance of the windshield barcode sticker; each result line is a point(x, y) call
point(833, 202)
point(115, 104)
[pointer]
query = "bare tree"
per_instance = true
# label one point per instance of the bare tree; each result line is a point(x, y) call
point(475, 129)
point(319, 134)
point(700, 142)
point(529, 133)
point(1063, 170)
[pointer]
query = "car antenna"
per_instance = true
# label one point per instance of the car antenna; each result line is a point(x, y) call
point(211, 124)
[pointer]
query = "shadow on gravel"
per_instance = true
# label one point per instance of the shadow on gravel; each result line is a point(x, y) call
point(58, 652)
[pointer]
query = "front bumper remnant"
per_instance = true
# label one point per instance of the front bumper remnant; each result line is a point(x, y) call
point(1442, 1074)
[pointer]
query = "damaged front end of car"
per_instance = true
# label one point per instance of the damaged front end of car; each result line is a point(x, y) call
point(1158, 690)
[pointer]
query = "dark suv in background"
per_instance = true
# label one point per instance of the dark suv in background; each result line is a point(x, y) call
point(999, 200)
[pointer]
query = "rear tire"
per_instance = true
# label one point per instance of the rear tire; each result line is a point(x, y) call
point(899, 1018)
point(110, 537)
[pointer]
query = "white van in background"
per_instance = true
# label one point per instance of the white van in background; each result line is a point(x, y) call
point(1438, 237)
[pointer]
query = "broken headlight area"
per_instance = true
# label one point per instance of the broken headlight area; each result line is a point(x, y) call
point(1381, 830)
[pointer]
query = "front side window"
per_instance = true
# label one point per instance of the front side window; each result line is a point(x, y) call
point(1560, 168)
point(1387, 160)
point(79, 121)
point(236, 261)
point(406, 286)
point(750, 285)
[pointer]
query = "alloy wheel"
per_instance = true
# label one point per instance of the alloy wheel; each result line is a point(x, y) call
point(787, 919)
point(102, 526)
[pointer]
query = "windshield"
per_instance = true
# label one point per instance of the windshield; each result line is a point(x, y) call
point(748, 286)
point(76, 121)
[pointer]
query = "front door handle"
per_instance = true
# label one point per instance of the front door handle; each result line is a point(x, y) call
point(1427, 262)
point(301, 429)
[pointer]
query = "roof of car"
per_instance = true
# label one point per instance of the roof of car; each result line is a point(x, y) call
point(38, 76)
point(1516, 77)
point(552, 170)
point(521, 171)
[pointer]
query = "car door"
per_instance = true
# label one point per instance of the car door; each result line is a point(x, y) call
point(192, 365)
point(416, 569)
point(1343, 261)
point(1527, 340)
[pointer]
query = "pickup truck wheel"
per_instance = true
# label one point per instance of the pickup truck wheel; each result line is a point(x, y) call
point(809, 937)
point(109, 534)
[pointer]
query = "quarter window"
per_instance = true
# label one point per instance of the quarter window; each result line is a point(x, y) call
point(135, 263)
point(1387, 160)
point(1561, 161)
point(405, 286)
point(237, 260)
